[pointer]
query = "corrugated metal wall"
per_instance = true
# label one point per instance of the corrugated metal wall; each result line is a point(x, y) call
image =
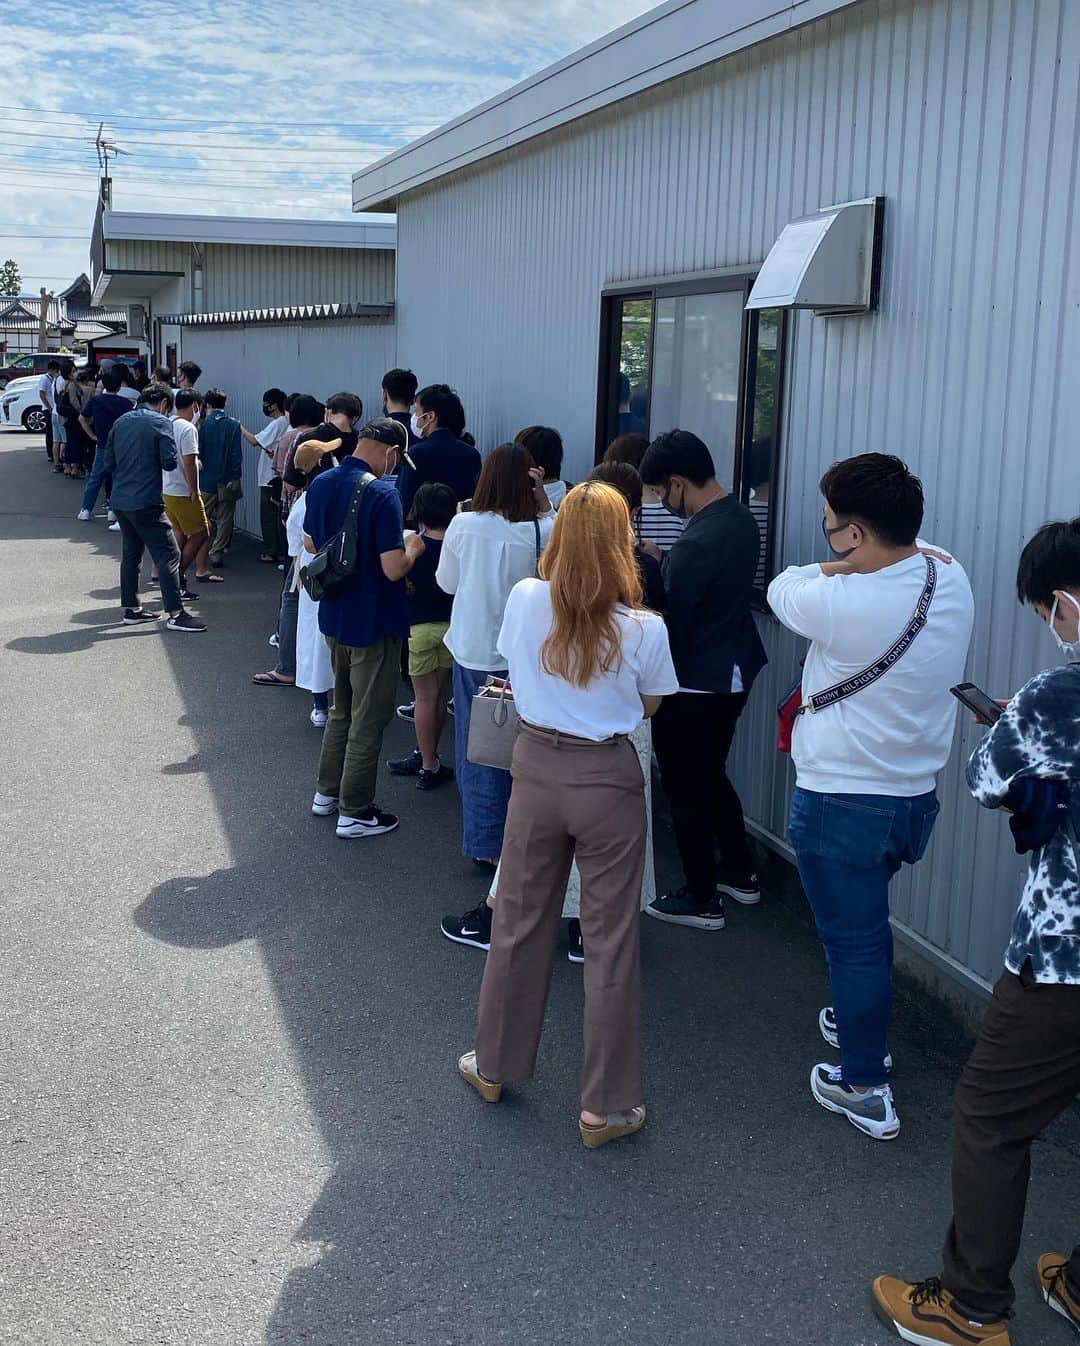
point(126, 254)
point(259, 277)
point(315, 357)
point(964, 114)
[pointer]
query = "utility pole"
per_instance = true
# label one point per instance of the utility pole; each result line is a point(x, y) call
point(43, 320)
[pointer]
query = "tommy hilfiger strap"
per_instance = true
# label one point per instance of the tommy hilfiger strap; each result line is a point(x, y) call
point(841, 690)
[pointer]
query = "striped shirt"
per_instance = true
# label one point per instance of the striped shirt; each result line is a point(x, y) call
point(659, 525)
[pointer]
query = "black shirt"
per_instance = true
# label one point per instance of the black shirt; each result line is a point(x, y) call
point(427, 602)
point(709, 579)
point(440, 457)
point(652, 579)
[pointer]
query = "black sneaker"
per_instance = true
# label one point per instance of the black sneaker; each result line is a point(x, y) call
point(681, 909)
point(407, 712)
point(406, 766)
point(139, 616)
point(742, 887)
point(576, 951)
point(474, 928)
point(431, 780)
point(373, 822)
point(184, 621)
point(188, 595)
point(450, 706)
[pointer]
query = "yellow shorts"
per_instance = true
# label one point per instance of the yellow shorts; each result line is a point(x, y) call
point(427, 653)
point(186, 515)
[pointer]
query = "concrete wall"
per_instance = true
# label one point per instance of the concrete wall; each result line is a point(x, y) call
point(964, 115)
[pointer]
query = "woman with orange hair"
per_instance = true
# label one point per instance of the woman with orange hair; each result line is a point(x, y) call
point(586, 662)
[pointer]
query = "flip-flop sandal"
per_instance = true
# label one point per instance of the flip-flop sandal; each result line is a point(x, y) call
point(210, 579)
point(271, 680)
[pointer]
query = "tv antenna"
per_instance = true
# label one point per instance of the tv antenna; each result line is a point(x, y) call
point(105, 147)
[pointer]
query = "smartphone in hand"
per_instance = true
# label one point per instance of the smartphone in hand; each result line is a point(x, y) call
point(985, 709)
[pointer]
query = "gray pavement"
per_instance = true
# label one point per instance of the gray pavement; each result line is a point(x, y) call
point(227, 1042)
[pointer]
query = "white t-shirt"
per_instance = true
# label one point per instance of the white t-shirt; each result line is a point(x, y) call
point(45, 385)
point(187, 445)
point(894, 736)
point(268, 436)
point(483, 556)
point(611, 703)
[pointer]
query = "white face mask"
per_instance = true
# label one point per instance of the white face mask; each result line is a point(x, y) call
point(417, 428)
point(1069, 648)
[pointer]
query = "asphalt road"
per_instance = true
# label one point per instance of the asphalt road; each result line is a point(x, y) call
point(227, 1044)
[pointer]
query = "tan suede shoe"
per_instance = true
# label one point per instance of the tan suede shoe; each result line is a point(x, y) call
point(1050, 1272)
point(923, 1313)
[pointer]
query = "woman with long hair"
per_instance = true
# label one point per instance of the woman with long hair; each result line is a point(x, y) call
point(486, 550)
point(586, 663)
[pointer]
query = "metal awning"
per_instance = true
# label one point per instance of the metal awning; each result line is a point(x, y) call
point(829, 261)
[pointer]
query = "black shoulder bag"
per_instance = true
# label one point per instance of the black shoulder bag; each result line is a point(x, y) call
point(335, 563)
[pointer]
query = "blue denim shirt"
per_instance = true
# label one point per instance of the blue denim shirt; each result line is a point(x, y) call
point(1037, 736)
point(139, 448)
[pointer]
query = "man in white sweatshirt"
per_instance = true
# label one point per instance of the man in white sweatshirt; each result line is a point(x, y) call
point(889, 624)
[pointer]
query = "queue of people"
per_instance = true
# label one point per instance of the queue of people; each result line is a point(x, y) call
point(616, 615)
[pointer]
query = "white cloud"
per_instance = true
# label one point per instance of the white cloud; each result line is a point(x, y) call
point(401, 66)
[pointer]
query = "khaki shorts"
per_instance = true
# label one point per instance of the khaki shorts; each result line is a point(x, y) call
point(187, 516)
point(427, 653)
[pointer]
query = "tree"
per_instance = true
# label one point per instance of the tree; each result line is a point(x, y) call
point(10, 279)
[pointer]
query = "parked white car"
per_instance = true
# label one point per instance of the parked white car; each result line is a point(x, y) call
point(20, 407)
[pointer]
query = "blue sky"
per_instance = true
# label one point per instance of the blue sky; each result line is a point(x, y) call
point(257, 107)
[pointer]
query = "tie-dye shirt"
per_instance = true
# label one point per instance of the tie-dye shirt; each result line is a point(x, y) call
point(1039, 735)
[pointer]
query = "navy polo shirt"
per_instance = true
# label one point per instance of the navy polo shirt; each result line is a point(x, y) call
point(369, 607)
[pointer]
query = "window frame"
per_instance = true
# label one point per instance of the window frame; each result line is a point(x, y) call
point(612, 296)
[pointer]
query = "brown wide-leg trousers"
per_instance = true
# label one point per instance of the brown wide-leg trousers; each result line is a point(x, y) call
point(569, 798)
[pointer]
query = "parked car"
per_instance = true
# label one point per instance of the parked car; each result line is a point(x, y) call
point(20, 407)
point(26, 365)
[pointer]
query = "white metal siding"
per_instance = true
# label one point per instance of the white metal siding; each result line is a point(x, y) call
point(312, 357)
point(964, 115)
point(238, 277)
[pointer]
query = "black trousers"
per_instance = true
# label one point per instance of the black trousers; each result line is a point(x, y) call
point(148, 528)
point(48, 435)
point(270, 521)
point(1023, 1072)
point(692, 736)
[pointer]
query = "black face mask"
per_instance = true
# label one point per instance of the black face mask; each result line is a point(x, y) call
point(268, 410)
point(680, 510)
point(840, 555)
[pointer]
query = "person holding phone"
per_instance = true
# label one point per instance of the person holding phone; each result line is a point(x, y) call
point(1025, 1068)
point(866, 765)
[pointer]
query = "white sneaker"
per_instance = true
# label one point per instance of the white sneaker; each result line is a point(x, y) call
point(83, 516)
point(323, 805)
point(372, 823)
point(112, 516)
point(827, 1024)
point(873, 1112)
point(318, 717)
point(114, 527)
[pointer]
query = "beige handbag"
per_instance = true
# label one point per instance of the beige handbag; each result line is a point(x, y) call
point(493, 726)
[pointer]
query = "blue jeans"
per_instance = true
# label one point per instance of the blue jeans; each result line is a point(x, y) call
point(93, 486)
point(848, 848)
point(485, 791)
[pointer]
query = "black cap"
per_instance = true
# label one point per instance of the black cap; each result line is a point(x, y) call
point(385, 431)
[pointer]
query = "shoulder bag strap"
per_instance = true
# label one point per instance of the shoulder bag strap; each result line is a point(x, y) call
point(841, 690)
point(346, 539)
point(539, 546)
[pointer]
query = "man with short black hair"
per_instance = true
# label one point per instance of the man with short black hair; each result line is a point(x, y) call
point(96, 419)
point(398, 392)
point(709, 580)
point(438, 418)
point(139, 448)
point(1025, 1068)
point(180, 486)
point(221, 454)
point(47, 398)
point(889, 625)
point(365, 622)
point(188, 375)
point(273, 533)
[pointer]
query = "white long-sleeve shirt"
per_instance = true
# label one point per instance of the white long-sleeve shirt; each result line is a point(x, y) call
point(894, 736)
